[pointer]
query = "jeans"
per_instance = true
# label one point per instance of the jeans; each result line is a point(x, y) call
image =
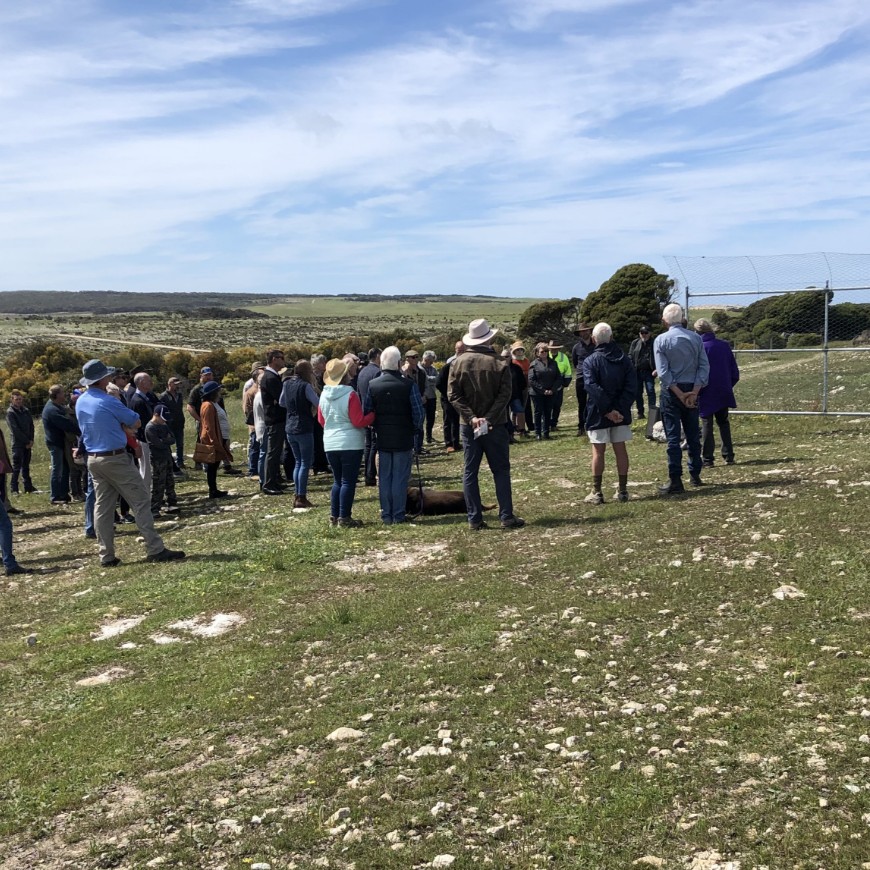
point(21, 466)
point(302, 446)
point(90, 501)
point(451, 424)
point(708, 440)
point(582, 399)
point(253, 455)
point(395, 472)
point(556, 407)
point(345, 470)
point(6, 538)
point(370, 455)
point(274, 446)
point(179, 446)
point(495, 446)
point(261, 462)
point(543, 406)
point(59, 478)
point(648, 382)
point(675, 414)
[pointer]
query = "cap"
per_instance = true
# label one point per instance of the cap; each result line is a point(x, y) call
point(206, 370)
point(162, 411)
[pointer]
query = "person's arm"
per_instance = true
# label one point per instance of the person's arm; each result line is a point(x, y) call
point(593, 389)
point(193, 412)
point(355, 412)
point(418, 412)
point(456, 395)
point(735, 371)
point(702, 378)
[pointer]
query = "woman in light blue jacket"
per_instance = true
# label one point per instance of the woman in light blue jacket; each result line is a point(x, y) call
point(344, 424)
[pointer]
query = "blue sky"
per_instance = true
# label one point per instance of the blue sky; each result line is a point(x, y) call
point(505, 147)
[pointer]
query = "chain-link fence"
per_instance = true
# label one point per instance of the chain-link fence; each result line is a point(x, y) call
point(799, 325)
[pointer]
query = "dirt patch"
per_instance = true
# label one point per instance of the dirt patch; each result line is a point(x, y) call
point(392, 559)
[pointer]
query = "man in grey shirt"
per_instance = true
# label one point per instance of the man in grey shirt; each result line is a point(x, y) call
point(683, 370)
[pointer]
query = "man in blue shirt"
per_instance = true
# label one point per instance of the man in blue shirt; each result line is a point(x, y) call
point(683, 370)
point(105, 423)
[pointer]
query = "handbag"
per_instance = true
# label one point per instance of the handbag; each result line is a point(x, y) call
point(204, 453)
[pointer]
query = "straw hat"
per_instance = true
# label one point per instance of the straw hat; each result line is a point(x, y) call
point(336, 369)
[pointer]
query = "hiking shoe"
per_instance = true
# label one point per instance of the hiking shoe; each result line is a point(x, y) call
point(349, 523)
point(300, 501)
point(708, 463)
point(594, 498)
point(513, 523)
point(110, 563)
point(166, 555)
point(16, 569)
point(219, 493)
point(476, 527)
point(696, 480)
point(675, 487)
point(622, 496)
point(333, 521)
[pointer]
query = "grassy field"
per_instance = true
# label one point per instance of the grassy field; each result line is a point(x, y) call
point(306, 320)
point(609, 687)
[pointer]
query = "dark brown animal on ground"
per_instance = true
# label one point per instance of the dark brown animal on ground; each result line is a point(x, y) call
point(437, 501)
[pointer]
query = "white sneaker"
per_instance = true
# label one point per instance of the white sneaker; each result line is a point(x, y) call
point(594, 498)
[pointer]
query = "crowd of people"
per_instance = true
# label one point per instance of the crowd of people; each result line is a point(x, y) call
point(119, 447)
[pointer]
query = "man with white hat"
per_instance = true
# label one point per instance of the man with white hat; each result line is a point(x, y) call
point(105, 423)
point(479, 387)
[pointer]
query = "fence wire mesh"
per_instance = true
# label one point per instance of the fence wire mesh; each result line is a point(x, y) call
point(799, 325)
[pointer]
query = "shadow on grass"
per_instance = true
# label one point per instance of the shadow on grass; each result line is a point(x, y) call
point(785, 461)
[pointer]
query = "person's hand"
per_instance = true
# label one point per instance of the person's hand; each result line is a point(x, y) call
point(548, 392)
point(614, 416)
point(690, 400)
point(476, 421)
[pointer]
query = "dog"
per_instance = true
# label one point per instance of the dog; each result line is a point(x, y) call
point(437, 502)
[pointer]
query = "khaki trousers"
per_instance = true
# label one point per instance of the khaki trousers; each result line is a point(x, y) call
point(114, 476)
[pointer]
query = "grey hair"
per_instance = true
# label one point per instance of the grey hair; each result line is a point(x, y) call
point(113, 389)
point(390, 358)
point(602, 333)
point(429, 354)
point(140, 376)
point(703, 325)
point(317, 358)
point(673, 314)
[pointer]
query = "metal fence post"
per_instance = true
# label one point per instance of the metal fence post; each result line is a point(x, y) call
point(828, 295)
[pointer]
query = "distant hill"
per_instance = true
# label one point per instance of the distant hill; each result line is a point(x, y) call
point(110, 302)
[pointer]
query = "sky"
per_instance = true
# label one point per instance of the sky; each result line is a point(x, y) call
point(506, 147)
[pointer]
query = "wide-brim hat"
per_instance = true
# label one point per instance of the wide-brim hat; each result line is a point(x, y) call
point(551, 345)
point(336, 369)
point(211, 387)
point(582, 326)
point(95, 370)
point(479, 332)
point(518, 345)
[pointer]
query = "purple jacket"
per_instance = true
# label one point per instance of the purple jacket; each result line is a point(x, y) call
point(719, 392)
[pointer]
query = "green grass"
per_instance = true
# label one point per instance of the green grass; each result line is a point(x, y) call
point(510, 641)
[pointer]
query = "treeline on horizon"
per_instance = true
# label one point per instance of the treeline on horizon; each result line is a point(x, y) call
point(49, 302)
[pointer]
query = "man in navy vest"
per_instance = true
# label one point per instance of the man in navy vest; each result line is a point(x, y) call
point(399, 416)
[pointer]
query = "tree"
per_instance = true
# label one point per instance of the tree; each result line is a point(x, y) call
point(632, 297)
point(555, 320)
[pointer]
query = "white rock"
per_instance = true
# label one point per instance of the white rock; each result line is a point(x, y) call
point(338, 816)
point(785, 592)
point(341, 735)
point(155, 862)
point(581, 654)
point(394, 836)
point(440, 808)
point(650, 861)
point(261, 865)
point(630, 708)
point(231, 826)
point(425, 750)
point(353, 836)
point(443, 860)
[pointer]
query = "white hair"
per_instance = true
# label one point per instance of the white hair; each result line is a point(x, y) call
point(429, 354)
point(140, 377)
point(390, 358)
point(317, 358)
point(673, 314)
point(602, 333)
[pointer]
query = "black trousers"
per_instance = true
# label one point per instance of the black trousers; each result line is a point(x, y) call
point(274, 449)
point(451, 425)
point(708, 440)
point(581, 404)
point(21, 466)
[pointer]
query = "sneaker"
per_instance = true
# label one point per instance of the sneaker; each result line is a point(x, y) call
point(349, 523)
point(172, 509)
point(476, 527)
point(61, 500)
point(696, 480)
point(708, 463)
point(266, 491)
point(675, 487)
point(110, 563)
point(128, 518)
point(513, 523)
point(16, 569)
point(622, 496)
point(594, 498)
point(166, 555)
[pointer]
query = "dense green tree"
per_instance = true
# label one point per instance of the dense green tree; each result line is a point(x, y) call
point(633, 296)
point(554, 319)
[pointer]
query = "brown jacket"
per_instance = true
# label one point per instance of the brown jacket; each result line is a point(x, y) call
point(479, 385)
point(210, 431)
